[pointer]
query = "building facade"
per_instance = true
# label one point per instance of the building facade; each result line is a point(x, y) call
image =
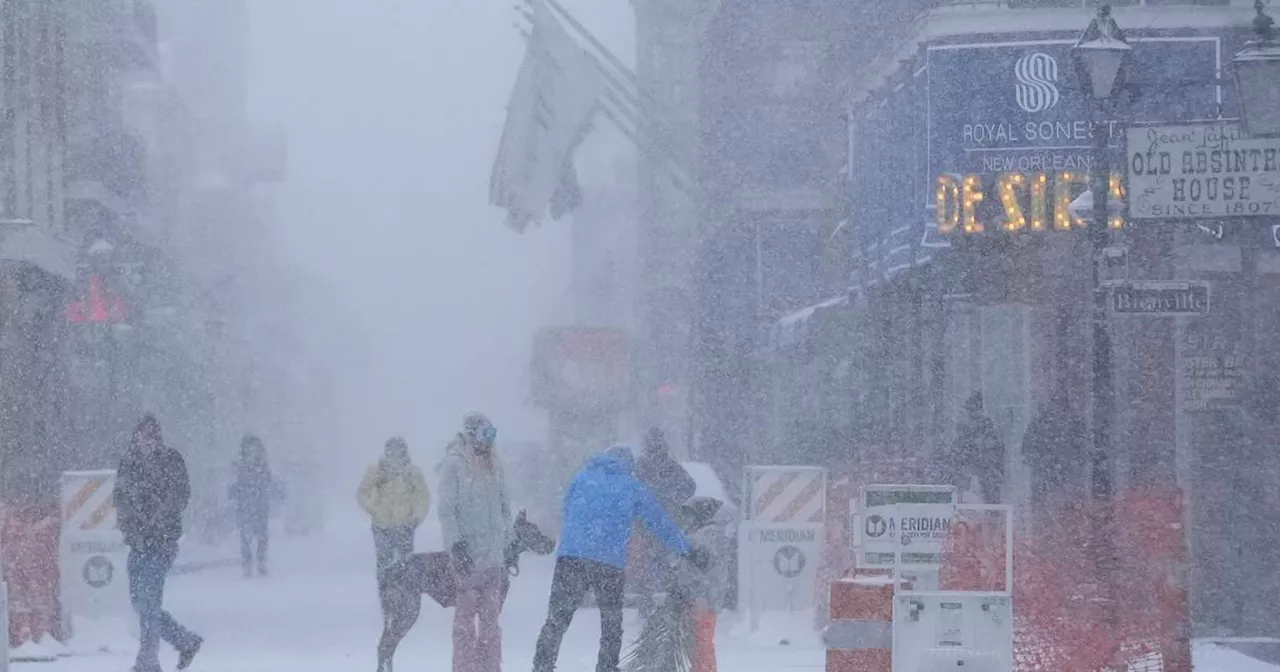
point(856, 308)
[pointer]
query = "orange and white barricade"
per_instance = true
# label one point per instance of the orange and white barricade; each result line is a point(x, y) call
point(859, 632)
point(91, 551)
point(781, 539)
point(29, 541)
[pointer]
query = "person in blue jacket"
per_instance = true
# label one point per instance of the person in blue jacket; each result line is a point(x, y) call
point(603, 501)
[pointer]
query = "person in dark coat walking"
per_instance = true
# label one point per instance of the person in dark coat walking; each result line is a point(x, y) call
point(151, 493)
point(978, 453)
point(672, 486)
point(603, 502)
point(1056, 448)
point(252, 489)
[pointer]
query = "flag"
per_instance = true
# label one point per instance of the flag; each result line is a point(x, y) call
point(556, 94)
point(568, 196)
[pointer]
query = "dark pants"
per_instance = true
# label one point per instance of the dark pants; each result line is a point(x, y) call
point(391, 545)
point(573, 578)
point(253, 528)
point(148, 567)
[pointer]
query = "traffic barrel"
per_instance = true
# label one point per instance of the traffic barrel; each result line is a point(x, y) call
point(859, 632)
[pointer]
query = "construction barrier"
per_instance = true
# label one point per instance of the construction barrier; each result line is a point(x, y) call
point(781, 539)
point(859, 632)
point(29, 545)
point(874, 465)
point(91, 550)
point(1067, 616)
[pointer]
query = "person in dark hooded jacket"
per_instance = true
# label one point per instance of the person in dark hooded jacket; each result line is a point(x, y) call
point(252, 489)
point(152, 491)
point(672, 486)
point(978, 453)
point(602, 503)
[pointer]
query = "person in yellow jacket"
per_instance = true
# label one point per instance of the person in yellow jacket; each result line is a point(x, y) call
point(394, 494)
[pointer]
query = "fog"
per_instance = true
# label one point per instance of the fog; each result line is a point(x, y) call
point(393, 115)
point(979, 296)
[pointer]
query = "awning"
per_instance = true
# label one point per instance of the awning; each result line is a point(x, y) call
point(793, 328)
point(22, 240)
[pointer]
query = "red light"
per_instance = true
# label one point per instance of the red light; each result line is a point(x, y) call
point(99, 306)
point(667, 390)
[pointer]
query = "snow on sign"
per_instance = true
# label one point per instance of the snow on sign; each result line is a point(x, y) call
point(91, 551)
point(905, 524)
point(1205, 170)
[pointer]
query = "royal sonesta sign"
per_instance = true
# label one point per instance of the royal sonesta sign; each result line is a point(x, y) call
point(1202, 171)
point(1010, 136)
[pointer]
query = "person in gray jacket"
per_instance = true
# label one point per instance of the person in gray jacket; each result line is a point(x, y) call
point(475, 520)
point(672, 486)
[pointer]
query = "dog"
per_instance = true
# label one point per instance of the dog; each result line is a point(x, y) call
point(403, 585)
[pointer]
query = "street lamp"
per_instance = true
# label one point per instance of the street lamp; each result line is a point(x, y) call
point(1257, 74)
point(1101, 56)
point(1257, 70)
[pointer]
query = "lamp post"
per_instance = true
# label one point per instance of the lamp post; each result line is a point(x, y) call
point(1257, 71)
point(1257, 75)
point(1101, 55)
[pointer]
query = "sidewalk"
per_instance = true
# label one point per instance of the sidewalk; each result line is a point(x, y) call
point(194, 556)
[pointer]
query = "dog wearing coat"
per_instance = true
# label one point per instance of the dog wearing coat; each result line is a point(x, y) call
point(402, 586)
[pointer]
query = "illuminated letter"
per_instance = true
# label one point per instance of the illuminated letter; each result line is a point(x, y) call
point(1063, 194)
point(1039, 202)
point(1117, 195)
point(1008, 184)
point(946, 203)
point(971, 195)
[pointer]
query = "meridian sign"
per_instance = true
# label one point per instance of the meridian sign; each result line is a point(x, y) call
point(1202, 171)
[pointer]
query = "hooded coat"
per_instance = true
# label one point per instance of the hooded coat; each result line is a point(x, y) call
point(474, 508)
point(394, 495)
point(665, 478)
point(603, 501)
point(151, 493)
point(252, 488)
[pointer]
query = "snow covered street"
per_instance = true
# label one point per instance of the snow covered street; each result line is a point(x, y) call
point(318, 613)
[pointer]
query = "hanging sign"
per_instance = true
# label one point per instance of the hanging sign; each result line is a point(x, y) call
point(1202, 171)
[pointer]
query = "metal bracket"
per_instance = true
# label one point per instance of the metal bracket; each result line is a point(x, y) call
point(1114, 265)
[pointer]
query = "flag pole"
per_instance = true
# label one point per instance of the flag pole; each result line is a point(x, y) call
point(586, 34)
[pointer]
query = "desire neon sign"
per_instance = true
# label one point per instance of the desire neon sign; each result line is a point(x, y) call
point(1034, 202)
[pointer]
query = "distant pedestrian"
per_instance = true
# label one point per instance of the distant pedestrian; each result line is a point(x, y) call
point(1056, 448)
point(475, 521)
point(252, 489)
point(394, 494)
point(978, 453)
point(672, 486)
point(151, 493)
point(603, 502)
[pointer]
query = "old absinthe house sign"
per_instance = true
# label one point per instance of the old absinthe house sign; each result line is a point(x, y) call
point(1202, 171)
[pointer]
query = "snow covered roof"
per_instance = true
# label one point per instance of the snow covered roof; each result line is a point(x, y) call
point(790, 329)
point(708, 484)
